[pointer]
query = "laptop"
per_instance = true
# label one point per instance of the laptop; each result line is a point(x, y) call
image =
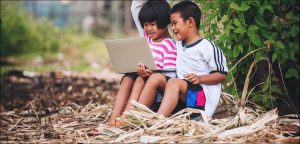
point(125, 54)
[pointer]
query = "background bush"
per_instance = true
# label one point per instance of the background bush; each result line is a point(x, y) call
point(263, 31)
point(20, 33)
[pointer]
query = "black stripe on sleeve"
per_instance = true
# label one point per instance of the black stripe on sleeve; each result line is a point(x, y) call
point(215, 57)
point(222, 72)
point(218, 56)
point(221, 56)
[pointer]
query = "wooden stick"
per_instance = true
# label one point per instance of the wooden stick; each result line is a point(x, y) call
point(16, 124)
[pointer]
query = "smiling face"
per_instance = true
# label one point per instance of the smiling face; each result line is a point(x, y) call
point(180, 27)
point(154, 32)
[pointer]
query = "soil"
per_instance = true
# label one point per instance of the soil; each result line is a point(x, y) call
point(50, 91)
point(53, 90)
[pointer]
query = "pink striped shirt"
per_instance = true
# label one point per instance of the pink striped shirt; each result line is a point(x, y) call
point(164, 54)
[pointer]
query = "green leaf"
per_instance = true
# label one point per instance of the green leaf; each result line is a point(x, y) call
point(254, 38)
point(284, 54)
point(214, 27)
point(252, 28)
point(294, 30)
point(256, 3)
point(235, 6)
point(240, 30)
point(256, 98)
point(260, 21)
point(274, 57)
point(269, 42)
point(265, 87)
point(267, 34)
point(292, 72)
point(261, 10)
point(282, 60)
point(234, 70)
point(292, 55)
point(289, 16)
point(276, 89)
point(259, 54)
point(269, 7)
point(280, 44)
point(241, 18)
point(229, 27)
point(240, 46)
point(244, 6)
point(236, 52)
point(237, 22)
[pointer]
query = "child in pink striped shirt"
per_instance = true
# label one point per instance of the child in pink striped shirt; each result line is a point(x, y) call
point(152, 23)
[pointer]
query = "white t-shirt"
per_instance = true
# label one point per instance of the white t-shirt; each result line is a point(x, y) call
point(202, 57)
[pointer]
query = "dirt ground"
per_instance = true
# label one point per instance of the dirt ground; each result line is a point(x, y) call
point(49, 92)
point(53, 90)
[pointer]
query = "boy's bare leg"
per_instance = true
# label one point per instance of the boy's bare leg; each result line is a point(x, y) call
point(155, 81)
point(136, 91)
point(175, 89)
point(122, 98)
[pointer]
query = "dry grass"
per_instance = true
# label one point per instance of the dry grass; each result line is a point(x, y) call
point(72, 125)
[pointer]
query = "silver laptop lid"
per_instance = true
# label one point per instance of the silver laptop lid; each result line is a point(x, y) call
point(125, 54)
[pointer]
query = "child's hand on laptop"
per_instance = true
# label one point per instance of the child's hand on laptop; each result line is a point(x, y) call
point(143, 71)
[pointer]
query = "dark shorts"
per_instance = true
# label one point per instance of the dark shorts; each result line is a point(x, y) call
point(156, 104)
point(167, 78)
point(180, 106)
point(195, 98)
point(133, 76)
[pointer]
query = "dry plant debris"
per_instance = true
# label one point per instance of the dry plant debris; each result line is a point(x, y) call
point(72, 122)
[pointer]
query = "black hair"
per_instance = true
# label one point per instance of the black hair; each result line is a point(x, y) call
point(188, 9)
point(155, 10)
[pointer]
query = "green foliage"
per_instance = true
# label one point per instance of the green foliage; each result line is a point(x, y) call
point(26, 38)
point(240, 27)
point(20, 33)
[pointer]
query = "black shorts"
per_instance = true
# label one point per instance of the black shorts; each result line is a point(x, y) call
point(180, 106)
point(195, 98)
point(156, 104)
point(133, 76)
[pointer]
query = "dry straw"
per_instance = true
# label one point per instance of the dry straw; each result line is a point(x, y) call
point(87, 124)
point(73, 124)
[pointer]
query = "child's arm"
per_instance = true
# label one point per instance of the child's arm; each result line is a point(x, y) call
point(216, 62)
point(136, 6)
point(211, 79)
